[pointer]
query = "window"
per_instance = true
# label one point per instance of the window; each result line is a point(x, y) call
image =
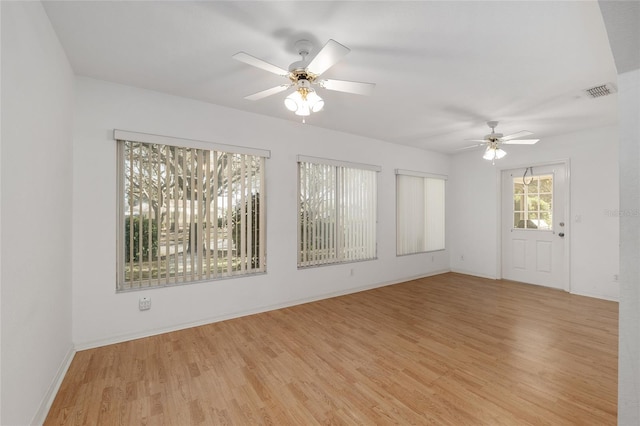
point(188, 211)
point(420, 211)
point(337, 211)
point(532, 202)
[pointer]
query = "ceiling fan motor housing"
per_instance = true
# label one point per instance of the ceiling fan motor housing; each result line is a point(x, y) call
point(301, 75)
point(493, 137)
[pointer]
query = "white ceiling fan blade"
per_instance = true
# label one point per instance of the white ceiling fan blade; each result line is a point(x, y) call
point(476, 140)
point(259, 63)
point(330, 54)
point(521, 142)
point(470, 147)
point(268, 92)
point(516, 135)
point(355, 87)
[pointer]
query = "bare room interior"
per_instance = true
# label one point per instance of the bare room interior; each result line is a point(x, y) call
point(231, 212)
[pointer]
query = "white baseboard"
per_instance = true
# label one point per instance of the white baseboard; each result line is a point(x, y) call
point(596, 296)
point(577, 293)
point(48, 398)
point(148, 333)
point(474, 274)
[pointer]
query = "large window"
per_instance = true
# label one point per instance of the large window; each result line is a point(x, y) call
point(188, 211)
point(420, 210)
point(337, 211)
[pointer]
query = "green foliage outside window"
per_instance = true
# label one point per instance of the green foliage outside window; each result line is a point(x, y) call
point(141, 249)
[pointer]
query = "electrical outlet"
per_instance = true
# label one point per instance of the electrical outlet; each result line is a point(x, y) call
point(144, 303)
point(352, 272)
point(462, 257)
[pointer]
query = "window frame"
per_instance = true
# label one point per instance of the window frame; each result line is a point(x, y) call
point(425, 220)
point(259, 196)
point(340, 248)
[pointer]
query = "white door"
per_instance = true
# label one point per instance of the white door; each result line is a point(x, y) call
point(534, 226)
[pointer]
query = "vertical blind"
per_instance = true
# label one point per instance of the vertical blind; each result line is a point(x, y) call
point(420, 211)
point(337, 212)
point(188, 214)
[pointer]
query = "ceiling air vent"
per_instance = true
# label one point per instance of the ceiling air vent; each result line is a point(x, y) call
point(599, 91)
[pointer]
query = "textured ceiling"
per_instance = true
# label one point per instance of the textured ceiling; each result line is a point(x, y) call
point(442, 69)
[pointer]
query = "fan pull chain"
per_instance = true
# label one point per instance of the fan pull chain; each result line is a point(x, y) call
point(524, 176)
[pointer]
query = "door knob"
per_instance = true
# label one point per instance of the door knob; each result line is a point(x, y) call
point(561, 234)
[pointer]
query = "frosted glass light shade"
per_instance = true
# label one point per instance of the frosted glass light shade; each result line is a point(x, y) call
point(304, 105)
point(489, 153)
point(493, 153)
point(292, 101)
point(316, 103)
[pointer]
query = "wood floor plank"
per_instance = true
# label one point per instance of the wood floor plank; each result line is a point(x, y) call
point(445, 350)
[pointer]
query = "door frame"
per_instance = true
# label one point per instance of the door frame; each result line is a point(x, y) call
point(567, 208)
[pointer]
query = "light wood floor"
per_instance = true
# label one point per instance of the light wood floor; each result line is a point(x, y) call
point(445, 350)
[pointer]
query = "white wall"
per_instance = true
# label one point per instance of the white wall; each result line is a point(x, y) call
point(102, 316)
point(629, 323)
point(37, 107)
point(474, 208)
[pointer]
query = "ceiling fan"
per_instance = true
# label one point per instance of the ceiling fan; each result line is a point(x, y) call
point(303, 75)
point(493, 141)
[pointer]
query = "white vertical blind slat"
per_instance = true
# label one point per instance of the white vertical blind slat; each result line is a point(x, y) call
point(262, 232)
point(435, 200)
point(243, 217)
point(158, 213)
point(192, 228)
point(167, 199)
point(215, 192)
point(174, 217)
point(208, 195)
point(139, 199)
point(229, 209)
point(199, 222)
point(247, 217)
point(131, 198)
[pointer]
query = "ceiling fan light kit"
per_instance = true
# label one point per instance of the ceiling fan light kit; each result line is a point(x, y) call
point(304, 100)
point(305, 73)
point(493, 153)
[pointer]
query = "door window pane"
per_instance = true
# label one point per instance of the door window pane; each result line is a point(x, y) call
point(517, 202)
point(518, 188)
point(546, 184)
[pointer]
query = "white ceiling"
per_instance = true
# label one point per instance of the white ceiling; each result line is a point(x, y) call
point(622, 20)
point(442, 68)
